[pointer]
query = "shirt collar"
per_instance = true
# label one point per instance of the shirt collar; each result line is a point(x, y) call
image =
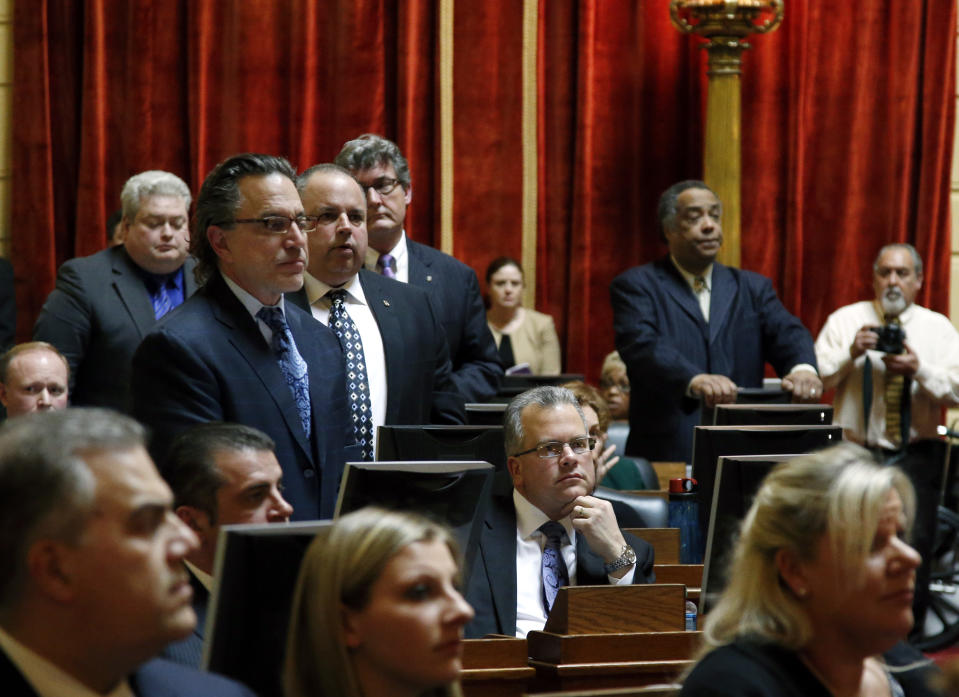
point(690, 277)
point(529, 518)
point(316, 289)
point(251, 304)
point(903, 316)
point(205, 579)
point(398, 252)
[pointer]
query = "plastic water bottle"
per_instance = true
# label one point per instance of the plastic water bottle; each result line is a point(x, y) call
point(690, 616)
point(684, 514)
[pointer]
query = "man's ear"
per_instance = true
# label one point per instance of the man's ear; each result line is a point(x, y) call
point(792, 571)
point(216, 236)
point(50, 565)
point(198, 521)
point(409, 193)
point(515, 471)
point(3, 394)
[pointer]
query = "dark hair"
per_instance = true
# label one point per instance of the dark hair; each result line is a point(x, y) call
point(190, 466)
point(370, 150)
point(46, 487)
point(500, 262)
point(7, 358)
point(326, 167)
point(112, 223)
point(666, 210)
point(219, 199)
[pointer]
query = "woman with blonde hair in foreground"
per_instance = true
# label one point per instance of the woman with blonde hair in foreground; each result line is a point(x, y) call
point(377, 611)
point(820, 586)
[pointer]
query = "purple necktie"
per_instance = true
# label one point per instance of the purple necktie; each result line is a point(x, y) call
point(387, 265)
point(555, 573)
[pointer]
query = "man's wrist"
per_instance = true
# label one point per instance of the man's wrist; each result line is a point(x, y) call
point(626, 558)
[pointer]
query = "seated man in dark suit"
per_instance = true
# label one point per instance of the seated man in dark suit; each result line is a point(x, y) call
point(405, 373)
point(384, 174)
point(690, 329)
point(236, 352)
point(104, 304)
point(549, 531)
point(92, 585)
point(221, 474)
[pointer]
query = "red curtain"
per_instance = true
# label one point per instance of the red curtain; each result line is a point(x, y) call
point(848, 117)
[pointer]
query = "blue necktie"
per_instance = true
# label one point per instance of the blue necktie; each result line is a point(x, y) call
point(291, 362)
point(162, 302)
point(357, 384)
point(387, 264)
point(555, 573)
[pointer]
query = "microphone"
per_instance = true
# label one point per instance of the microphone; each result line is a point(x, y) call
point(946, 431)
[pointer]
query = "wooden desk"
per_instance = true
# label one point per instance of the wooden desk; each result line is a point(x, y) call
point(664, 541)
point(689, 575)
point(496, 667)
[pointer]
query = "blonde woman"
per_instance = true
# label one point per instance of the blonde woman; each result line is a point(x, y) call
point(377, 611)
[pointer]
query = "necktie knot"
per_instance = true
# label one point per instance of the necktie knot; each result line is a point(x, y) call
point(699, 284)
point(554, 533)
point(337, 296)
point(387, 265)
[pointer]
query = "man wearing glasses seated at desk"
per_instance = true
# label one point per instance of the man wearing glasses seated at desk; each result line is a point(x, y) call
point(548, 532)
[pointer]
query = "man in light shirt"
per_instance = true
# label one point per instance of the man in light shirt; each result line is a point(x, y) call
point(93, 584)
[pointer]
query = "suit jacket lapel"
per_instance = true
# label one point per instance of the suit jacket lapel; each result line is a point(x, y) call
point(133, 293)
point(12, 680)
point(720, 299)
point(246, 338)
point(499, 553)
point(677, 288)
point(378, 296)
point(420, 271)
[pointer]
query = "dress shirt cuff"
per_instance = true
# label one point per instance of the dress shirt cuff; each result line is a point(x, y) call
point(803, 366)
point(626, 580)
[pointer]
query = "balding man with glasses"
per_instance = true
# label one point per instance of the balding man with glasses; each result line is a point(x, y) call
point(236, 352)
point(548, 532)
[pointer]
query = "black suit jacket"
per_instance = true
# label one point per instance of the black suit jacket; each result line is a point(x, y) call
point(189, 651)
point(96, 316)
point(454, 291)
point(156, 678)
point(419, 385)
point(665, 341)
point(208, 361)
point(491, 589)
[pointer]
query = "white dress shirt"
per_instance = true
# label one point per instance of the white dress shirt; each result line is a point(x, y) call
point(705, 295)
point(400, 254)
point(253, 306)
point(530, 610)
point(47, 679)
point(362, 316)
point(935, 385)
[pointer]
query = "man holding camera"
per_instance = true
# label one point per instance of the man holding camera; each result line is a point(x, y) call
point(894, 364)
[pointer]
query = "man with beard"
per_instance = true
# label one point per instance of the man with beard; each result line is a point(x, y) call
point(922, 375)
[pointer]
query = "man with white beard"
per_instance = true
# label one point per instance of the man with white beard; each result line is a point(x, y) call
point(873, 369)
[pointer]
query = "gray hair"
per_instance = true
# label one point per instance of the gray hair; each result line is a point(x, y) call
point(370, 150)
point(46, 488)
point(916, 259)
point(190, 465)
point(544, 397)
point(667, 208)
point(219, 199)
point(153, 182)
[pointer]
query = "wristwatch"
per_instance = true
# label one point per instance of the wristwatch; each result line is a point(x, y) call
point(626, 558)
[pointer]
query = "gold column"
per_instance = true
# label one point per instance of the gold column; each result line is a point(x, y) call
point(530, 152)
point(726, 23)
point(446, 8)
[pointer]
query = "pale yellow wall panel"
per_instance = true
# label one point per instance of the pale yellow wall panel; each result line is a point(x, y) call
point(6, 10)
point(6, 53)
point(954, 220)
point(954, 292)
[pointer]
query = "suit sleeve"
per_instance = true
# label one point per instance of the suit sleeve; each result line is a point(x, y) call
point(786, 342)
point(8, 306)
point(654, 361)
point(172, 388)
point(65, 319)
point(446, 405)
point(645, 557)
point(476, 367)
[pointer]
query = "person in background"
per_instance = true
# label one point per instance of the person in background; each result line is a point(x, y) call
point(614, 386)
point(612, 470)
point(821, 586)
point(33, 377)
point(522, 335)
point(376, 610)
point(115, 229)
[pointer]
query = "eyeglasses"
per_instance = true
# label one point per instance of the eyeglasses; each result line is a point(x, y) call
point(554, 448)
point(279, 224)
point(610, 384)
point(383, 185)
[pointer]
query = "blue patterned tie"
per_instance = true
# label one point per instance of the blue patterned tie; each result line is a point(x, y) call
point(555, 573)
point(291, 362)
point(162, 302)
point(357, 384)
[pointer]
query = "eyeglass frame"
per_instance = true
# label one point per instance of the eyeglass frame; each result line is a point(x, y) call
point(315, 219)
point(590, 441)
point(391, 182)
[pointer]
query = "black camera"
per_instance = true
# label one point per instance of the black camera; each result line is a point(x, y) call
point(891, 337)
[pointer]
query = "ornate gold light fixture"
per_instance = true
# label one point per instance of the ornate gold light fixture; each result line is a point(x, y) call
point(726, 24)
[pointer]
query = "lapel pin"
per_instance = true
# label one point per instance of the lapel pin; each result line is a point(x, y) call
point(386, 302)
point(429, 278)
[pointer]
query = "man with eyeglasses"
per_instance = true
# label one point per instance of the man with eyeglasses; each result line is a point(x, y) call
point(388, 330)
point(384, 174)
point(236, 352)
point(103, 305)
point(548, 531)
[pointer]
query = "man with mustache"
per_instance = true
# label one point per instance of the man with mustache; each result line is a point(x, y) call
point(236, 352)
point(690, 329)
point(547, 530)
point(398, 350)
point(928, 364)
point(92, 585)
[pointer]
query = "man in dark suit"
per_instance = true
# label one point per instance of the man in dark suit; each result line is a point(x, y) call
point(103, 305)
point(235, 352)
point(384, 174)
point(405, 353)
point(690, 329)
point(221, 474)
point(551, 465)
point(92, 585)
